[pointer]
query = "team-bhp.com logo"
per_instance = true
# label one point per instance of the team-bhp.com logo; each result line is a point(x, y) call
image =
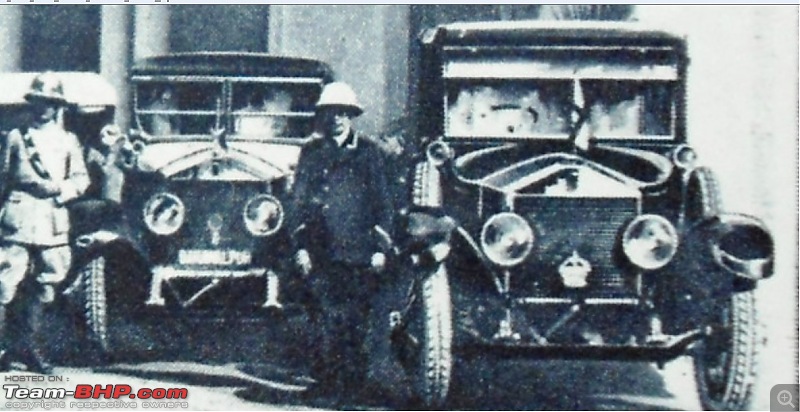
point(86, 396)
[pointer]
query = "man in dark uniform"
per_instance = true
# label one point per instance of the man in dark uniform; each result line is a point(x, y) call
point(341, 208)
point(43, 169)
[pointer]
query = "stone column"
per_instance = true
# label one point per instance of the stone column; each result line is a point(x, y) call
point(115, 56)
point(10, 38)
point(150, 31)
point(367, 46)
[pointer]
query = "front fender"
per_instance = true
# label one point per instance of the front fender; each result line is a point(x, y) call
point(427, 238)
point(719, 256)
point(735, 244)
point(98, 227)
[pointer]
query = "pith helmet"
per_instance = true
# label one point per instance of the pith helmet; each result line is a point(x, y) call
point(339, 94)
point(46, 86)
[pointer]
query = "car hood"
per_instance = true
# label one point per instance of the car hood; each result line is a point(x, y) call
point(238, 161)
point(600, 172)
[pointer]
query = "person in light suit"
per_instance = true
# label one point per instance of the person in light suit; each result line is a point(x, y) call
point(42, 170)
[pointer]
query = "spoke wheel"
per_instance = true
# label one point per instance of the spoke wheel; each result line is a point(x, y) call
point(95, 305)
point(725, 362)
point(703, 200)
point(429, 333)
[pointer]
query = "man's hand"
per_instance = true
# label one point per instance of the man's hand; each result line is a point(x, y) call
point(303, 261)
point(378, 262)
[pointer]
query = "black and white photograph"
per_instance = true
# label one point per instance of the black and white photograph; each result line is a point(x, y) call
point(208, 206)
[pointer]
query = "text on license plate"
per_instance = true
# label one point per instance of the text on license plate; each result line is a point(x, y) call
point(214, 257)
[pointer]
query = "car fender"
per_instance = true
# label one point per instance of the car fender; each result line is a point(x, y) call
point(719, 256)
point(737, 245)
point(99, 228)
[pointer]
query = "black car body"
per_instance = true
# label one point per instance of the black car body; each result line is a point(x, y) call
point(558, 211)
point(209, 167)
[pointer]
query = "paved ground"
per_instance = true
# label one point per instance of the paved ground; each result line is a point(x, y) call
point(246, 366)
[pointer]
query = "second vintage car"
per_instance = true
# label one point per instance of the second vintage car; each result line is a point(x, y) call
point(193, 223)
point(559, 212)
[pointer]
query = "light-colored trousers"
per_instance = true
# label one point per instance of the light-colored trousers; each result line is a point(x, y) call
point(52, 262)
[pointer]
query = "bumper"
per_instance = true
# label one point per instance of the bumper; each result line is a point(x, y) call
point(668, 348)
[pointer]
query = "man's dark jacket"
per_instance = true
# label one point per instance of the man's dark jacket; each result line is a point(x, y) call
point(340, 195)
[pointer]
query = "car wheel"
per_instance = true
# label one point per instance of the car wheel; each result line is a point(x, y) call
point(431, 328)
point(702, 194)
point(725, 362)
point(93, 277)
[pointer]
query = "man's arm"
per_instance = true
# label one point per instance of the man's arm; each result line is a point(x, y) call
point(77, 179)
point(383, 205)
point(5, 166)
point(25, 179)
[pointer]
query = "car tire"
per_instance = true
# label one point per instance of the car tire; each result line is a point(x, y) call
point(431, 323)
point(725, 362)
point(95, 305)
point(702, 194)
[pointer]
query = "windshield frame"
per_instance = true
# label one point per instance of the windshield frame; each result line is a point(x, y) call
point(225, 115)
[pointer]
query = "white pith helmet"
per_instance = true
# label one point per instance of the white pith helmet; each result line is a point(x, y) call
point(46, 86)
point(339, 94)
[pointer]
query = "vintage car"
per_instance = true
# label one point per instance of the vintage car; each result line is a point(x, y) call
point(558, 211)
point(195, 228)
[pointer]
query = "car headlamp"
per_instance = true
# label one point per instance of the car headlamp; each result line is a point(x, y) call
point(507, 239)
point(263, 215)
point(164, 214)
point(650, 242)
point(684, 157)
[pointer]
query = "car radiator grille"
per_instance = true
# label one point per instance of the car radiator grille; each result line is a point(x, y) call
point(214, 213)
point(565, 226)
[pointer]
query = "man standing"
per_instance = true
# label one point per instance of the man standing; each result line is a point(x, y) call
point(341, 209)
point(43, 170)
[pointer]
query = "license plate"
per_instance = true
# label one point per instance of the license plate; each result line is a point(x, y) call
point(214, 257)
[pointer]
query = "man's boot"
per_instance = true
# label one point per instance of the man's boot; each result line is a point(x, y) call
point(28, 349)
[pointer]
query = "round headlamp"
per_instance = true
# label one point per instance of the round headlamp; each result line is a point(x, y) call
point(164, 214)
point(684, 157)
point(650, 242)
point(507, 239)
point(438, 153)
point(263, 215)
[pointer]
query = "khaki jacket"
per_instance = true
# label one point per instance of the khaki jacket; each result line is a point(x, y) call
point(35, 192)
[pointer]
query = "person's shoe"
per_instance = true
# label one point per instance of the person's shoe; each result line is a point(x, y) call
point(35, 363)
point(322, 395)
point(5, 361)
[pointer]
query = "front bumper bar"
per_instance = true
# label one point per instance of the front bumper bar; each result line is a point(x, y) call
point(669, 348)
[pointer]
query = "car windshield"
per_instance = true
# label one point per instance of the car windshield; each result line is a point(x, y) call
point(249, 110)
point(555, 94)
point(514, 108)
point(629, 109)
point(179, 108)
point(549, 108)
point(273, 110)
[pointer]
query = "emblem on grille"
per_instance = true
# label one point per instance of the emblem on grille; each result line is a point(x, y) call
point(214, 226)
point(574, 271)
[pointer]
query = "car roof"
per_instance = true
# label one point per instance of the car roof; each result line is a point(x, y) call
point(547, 32)
point(87, 90)
point(231, 64)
